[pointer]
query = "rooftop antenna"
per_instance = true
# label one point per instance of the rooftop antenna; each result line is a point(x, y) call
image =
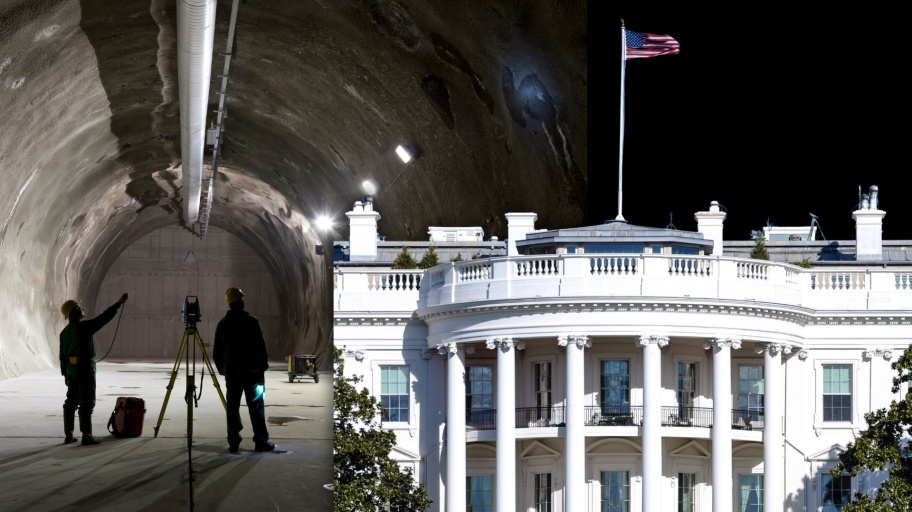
point(814, 222)
point(671, 224)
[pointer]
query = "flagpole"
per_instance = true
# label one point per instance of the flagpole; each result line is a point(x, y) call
point(621, 145)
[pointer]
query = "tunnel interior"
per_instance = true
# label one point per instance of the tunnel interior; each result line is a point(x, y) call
point(491, 95)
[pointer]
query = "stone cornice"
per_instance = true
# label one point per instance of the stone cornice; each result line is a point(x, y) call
point(795, 315)
point(379, 320)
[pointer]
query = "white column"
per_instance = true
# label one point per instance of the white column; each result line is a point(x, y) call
point(455, 427)
point(652, 420)
point(575, 497)
point(773, 409)
point(505, 463)
point(722, 418)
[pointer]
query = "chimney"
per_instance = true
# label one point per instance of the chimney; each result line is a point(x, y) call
point(869, 228)
point(362, 231)
point(518, 225)
point(710, 224)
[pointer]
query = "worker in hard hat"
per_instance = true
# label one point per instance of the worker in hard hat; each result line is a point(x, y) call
point(240, 355)
point(77, 365)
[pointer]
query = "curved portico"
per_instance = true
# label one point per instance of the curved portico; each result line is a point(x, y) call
point(651, 422)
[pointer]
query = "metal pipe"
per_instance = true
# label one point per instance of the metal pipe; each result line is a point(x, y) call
point(195, 33)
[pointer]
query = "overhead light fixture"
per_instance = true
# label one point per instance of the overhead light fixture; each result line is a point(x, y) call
point(324, 223)
point(405, 153)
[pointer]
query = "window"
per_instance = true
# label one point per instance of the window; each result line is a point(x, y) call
point(680, 249)
point(837, 491)
point(615, 491)
point(543, 492)
point(479, 494)
point(750, 493)
point(480, 395)
point(543, 390)
point(394, 393)
point(686, 482)
point(614, 389)
point(837, 392)
point(615, 248)
point(750, 389)
point(686, 392)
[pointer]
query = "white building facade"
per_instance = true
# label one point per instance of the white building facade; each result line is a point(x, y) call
point(622, 368)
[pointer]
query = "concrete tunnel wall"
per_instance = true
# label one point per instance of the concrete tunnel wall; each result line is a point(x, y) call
point(156, 272)
point(78, 188)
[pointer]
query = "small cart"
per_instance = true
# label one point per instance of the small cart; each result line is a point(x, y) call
point(300, 367)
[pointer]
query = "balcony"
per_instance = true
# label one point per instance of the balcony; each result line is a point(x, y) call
point(613, 416)
point(602, 276)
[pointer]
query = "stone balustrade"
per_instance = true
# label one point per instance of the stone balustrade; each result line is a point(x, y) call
point(630, 277)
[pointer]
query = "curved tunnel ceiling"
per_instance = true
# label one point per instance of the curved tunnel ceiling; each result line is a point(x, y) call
point(493, 96)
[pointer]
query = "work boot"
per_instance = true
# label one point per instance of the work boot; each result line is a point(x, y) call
point(265, 447)
point(85, 426)
point(69, 423)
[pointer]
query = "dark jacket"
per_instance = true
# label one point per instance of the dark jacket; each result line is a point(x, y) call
point(239, 345)
point(77, 339)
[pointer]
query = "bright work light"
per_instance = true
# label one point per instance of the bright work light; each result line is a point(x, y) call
point(404, 153)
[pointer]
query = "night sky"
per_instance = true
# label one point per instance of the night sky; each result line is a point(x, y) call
point(774, 114)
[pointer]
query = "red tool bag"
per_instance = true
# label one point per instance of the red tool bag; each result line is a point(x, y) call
point(127, 418)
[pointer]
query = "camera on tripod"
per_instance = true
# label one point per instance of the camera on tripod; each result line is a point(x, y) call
point(191, 311)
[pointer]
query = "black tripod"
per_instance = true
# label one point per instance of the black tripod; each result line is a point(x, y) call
point(191, 316)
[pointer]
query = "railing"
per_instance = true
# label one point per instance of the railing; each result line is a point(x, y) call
point(614, 416)
point(541, 266)
point(678, 266)
point(612, 265)
point(623, 275)
point(474, 272)
point(482, 419)
point(393, 281)
point(837, 281)
point(746, 419)
point(687, 416)
point(531, 417)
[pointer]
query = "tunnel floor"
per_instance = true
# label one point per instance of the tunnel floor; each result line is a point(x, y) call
point(149, 473)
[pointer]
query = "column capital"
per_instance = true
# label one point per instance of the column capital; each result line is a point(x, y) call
point(803, 354)
point(453, 347)
point(581, 341)
point(504, 344)
point(722, 342)
point(661, 341)
point(357, 354)
point(773, 348)
point(871, 352)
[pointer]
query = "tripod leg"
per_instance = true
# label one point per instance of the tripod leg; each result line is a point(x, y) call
point(215, 381)
point(180, 353)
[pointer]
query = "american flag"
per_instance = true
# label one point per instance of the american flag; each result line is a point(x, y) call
point(642, 46)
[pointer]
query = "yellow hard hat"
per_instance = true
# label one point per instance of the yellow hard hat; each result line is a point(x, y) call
point(67, 307)
point(232, 294)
